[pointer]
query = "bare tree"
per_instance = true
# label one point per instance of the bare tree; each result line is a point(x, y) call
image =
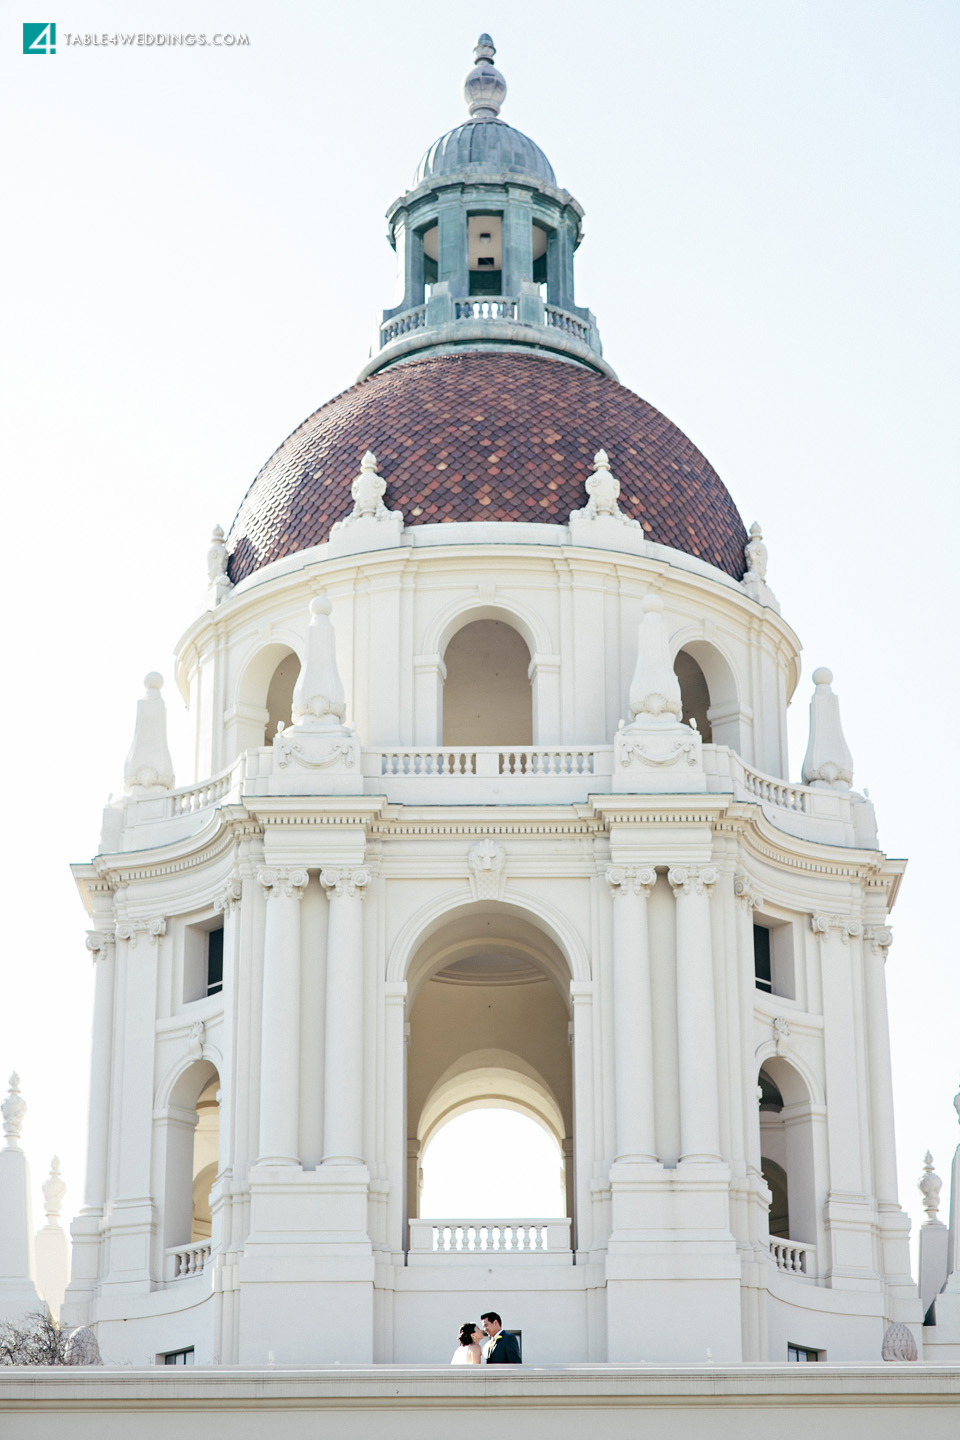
point(36, 1340)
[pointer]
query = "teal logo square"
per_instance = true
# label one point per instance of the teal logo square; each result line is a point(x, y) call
point(40, 39)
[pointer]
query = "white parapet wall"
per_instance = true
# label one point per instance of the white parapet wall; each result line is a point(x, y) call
point(422, 1402)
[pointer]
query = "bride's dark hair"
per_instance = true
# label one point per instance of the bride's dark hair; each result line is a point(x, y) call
point(466, 1332)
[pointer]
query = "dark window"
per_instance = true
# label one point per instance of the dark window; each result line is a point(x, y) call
point(761, 958)
point(215, 961)
point(178, 1357)
point(801, 1353)
point(485, 282)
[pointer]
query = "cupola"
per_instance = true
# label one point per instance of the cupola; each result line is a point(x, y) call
point(485, 244)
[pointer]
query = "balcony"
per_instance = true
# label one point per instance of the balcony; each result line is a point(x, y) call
point(435, 1242)
point(482, 775)
point(793, 1258)
point(446, 320)
point(182, 1261)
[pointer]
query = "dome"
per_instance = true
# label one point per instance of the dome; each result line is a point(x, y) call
point(486, 435)
point(488, 145)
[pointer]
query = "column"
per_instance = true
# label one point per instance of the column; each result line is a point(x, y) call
point(102, 947)
point(343, 1047)
point(875, 948)
point(394, 1110)
point(517, 240)
point(410, 249)
point(452, 242)
point(632, 1014)
point(844, 1123)
point(280, 1018)
point(696, 1017)
point(584, 1115)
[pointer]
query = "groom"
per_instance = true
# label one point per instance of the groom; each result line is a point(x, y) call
point(501, 1348)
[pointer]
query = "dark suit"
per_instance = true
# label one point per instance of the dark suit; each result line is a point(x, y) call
point(505, 1350)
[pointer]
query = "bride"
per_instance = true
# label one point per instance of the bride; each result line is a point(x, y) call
point(468, 1351)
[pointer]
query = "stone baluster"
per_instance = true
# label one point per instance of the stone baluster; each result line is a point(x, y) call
point(696, 1014)
point(102, 946)
point(280, 1018)
point(632, 1014)
point(343, 1049)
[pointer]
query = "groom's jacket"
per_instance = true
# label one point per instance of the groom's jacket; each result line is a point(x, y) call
point(504, 1350)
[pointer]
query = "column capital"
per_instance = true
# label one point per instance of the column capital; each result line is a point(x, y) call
point(822, 924)
point(131, 930)
point(339, 883)
point(743, 888)
point(289, 883)
point(230, 896)
point(691, 879)
point(630, 880)
point(879, 938)
point(101, 944)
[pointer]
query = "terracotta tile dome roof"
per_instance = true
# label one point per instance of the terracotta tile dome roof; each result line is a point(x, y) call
point(486, 435)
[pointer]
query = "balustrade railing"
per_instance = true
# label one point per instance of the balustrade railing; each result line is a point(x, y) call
point(794, 1258)
point(490, 1237)
point(562, 320)
point(454, 763)
point(414, 319)
point(185, 1260)
point(200, 797)
point(492, 309)
point(775, 792)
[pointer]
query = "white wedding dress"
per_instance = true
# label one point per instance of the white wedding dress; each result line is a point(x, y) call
point(461, 1356)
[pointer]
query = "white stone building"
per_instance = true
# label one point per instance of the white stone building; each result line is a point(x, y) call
point(491, 801)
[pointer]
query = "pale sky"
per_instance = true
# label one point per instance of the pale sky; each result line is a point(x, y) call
point(195, 257)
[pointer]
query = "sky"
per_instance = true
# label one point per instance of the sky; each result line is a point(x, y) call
point(194, 257)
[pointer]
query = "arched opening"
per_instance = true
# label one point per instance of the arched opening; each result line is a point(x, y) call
point(787, 1152)
point(694, 694)
point(280, 695)
point(489, 1052)
point(206, 1158)
point(192, 1155)
point(487, 695)
point(489, 1162)
point(708, 693)
point(264, 697)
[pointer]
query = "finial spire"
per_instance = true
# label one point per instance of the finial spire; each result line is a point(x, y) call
point(13, 1109)
point(54, 1188)
point(484, 88)
point(148, 764)
point(929, 1186)
point(828, 762)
